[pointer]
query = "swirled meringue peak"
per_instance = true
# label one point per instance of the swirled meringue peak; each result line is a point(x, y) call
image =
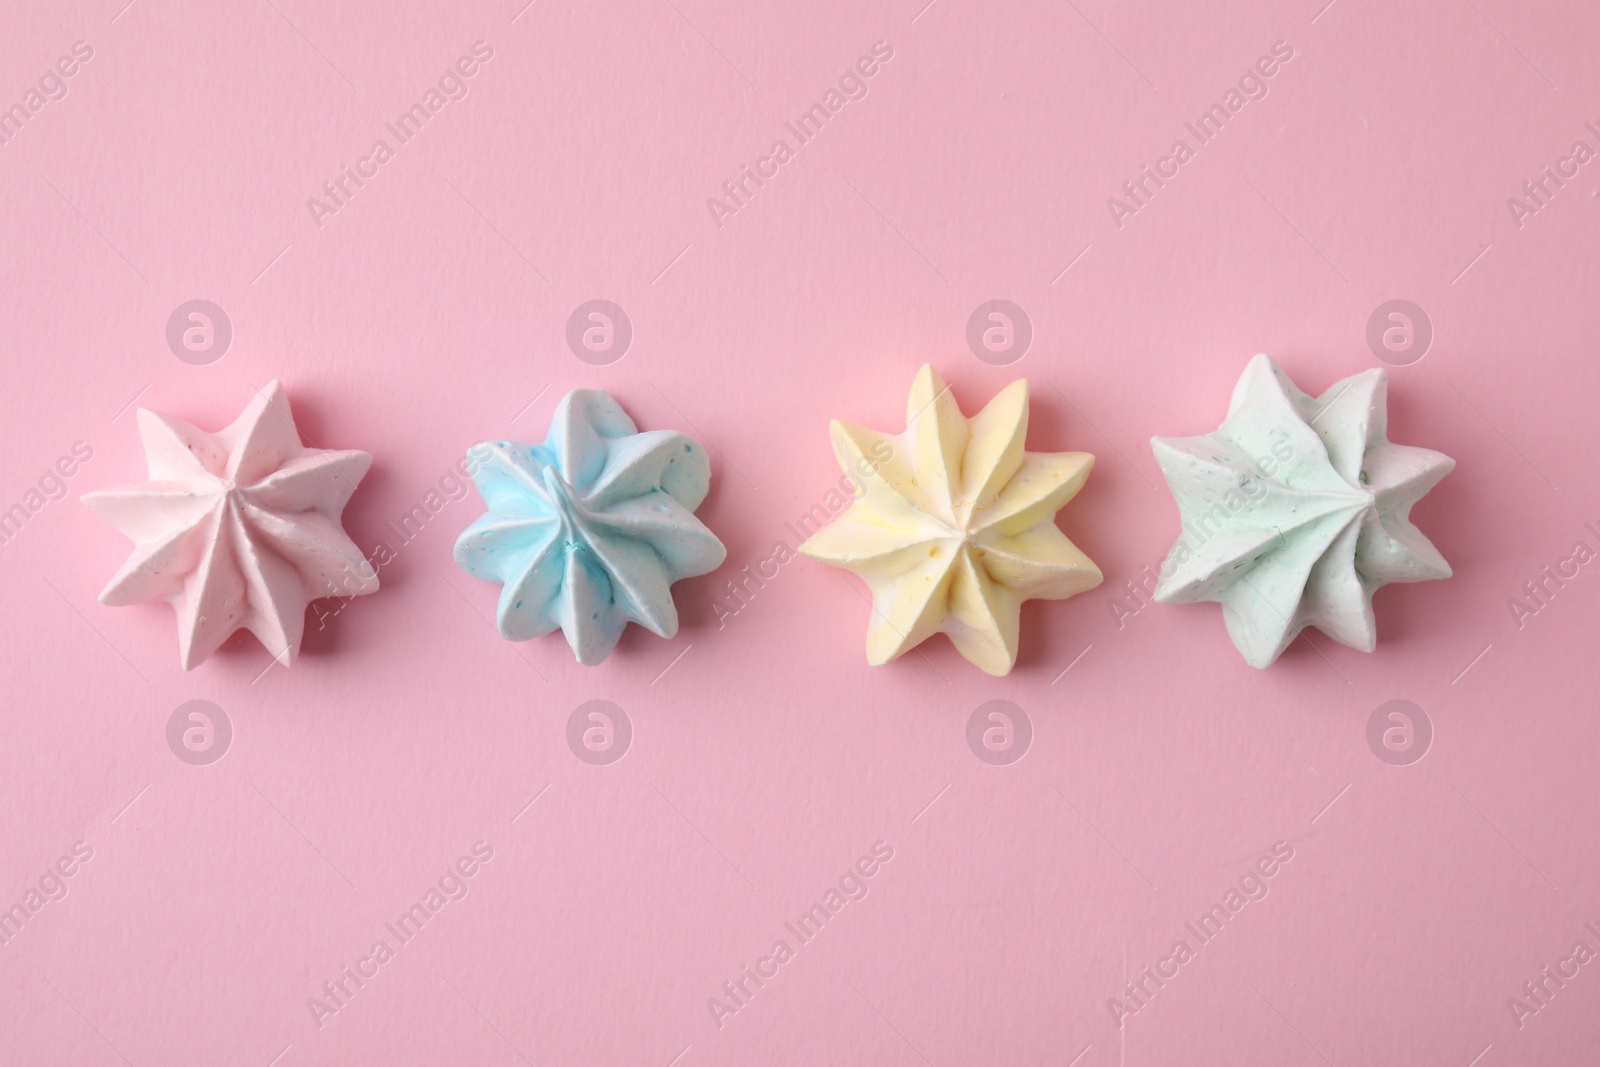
point(238, 529)
point(588, 531)
point(955, 526)
point(1296, 510)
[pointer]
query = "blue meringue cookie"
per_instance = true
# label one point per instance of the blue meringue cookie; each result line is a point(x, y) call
point(589, 530)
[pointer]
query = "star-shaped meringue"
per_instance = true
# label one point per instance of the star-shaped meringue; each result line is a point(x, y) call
point(238, 529)
point(954, 526)
point(1296, 511)
point(589, 530)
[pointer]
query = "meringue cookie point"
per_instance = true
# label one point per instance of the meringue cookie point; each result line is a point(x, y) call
point(1296, 510)
point(954, 526)
point(238, 529)
point(587, 531)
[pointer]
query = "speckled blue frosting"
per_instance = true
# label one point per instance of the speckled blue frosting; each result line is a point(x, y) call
point(588, 531)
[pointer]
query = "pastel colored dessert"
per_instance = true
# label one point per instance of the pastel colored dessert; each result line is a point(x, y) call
point(954, 525)
point(1296, 511)
point(238, 529)
point(588, 531)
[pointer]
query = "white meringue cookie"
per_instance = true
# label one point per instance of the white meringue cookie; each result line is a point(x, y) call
point(1296, 511)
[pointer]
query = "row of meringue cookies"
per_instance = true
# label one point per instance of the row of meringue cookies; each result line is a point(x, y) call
point(1294, 512)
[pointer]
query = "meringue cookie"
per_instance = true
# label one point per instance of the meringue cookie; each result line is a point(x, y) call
point(954, 526)
point(589, 530)
point(1296, 511)
point(238, 529)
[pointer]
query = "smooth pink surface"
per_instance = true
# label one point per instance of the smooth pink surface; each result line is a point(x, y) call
point(430, 312)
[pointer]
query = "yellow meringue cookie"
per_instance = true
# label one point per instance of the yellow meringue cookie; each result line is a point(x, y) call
point(953, 526)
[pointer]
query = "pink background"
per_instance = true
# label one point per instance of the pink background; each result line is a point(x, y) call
point(430, 312)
